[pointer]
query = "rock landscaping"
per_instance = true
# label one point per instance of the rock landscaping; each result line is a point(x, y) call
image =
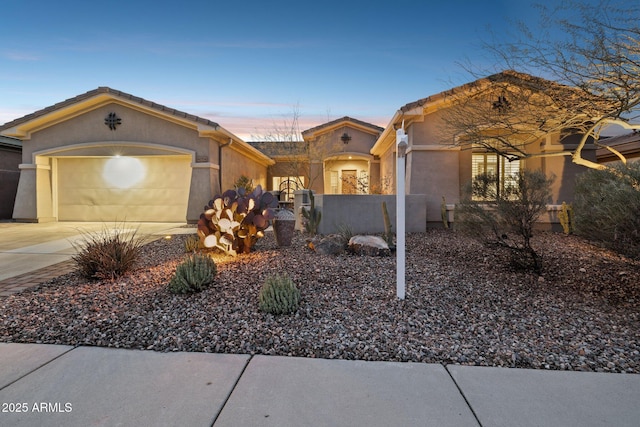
point(464, 305)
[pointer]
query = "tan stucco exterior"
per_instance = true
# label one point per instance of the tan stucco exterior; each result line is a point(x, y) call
point(179, 155)
point(437, 167)
point(340, 148)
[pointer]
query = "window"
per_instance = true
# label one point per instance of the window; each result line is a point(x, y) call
point(491, 163)
point(334, 182)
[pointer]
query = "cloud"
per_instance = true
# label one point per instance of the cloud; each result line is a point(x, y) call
point(20, 56)
point(251, 128)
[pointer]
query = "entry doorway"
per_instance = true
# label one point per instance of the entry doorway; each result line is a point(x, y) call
point(349, 181)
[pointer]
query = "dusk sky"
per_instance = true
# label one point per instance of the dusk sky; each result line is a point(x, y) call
point(246, 64)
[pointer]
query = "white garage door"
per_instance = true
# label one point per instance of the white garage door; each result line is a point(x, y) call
point(123, 188)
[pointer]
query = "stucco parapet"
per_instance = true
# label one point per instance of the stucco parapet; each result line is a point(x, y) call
point(205, 166)
point(433, 147)
point(33, 166)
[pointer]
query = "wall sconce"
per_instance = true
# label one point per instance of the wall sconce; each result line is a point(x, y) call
point(345, 138)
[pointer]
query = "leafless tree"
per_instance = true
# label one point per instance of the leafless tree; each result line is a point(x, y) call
point(588, 62)
point(295, 157)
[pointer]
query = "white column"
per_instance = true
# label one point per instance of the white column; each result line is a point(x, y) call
point(401, 142)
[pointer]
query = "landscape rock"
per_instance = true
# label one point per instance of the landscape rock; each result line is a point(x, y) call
point(331, 244)
point(369, 245)
point(465, 304)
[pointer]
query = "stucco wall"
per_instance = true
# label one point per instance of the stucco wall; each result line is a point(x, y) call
point(139, 134)
point(235, 164)
point(136, 126)
point(362, 213)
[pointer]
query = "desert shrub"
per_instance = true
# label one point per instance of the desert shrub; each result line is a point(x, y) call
point(279, 295)
point(245, 183)
point(194, 274)
point(107, 254)
point(192, 243)
point(505, 218)
point(345, 231)
point(607, 208)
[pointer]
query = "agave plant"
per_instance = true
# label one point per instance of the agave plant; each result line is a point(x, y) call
point(235, 220)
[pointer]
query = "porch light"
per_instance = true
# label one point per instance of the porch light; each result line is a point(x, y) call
point(345, 138)
point(123, 172)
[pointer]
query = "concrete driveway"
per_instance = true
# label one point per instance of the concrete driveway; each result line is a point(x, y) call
point(26, 247)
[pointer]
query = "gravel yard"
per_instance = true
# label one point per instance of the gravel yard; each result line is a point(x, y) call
point(463, 306)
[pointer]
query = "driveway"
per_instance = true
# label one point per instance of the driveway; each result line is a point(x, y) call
point(26, 247)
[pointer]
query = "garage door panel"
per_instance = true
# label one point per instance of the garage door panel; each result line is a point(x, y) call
point(147, 189)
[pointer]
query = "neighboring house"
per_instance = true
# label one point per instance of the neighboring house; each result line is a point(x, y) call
point(437, 168)
point(628, 145)
point(10, 159)
point(333, 158)
point(109, 156)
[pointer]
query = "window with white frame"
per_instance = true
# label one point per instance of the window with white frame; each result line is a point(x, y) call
point(334, 182)
point(491, 163)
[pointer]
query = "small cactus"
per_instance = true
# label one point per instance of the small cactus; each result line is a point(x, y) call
point(443, 213)
point(388, 236)
point(193, 275)
point(566, 218)
point(279, 295)
point(312, 215)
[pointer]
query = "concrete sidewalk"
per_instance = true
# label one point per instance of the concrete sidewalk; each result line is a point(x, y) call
point(42, 385)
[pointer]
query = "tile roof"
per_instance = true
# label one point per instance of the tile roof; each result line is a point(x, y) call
point(11, 143)
point(117, 93)
point(504, 76)
point(340, 120)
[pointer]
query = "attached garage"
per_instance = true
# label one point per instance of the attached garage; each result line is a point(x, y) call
point(108, 156)
point(123, 188)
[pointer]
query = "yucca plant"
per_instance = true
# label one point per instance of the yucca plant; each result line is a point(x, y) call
point(194, 274)
point(279, 295)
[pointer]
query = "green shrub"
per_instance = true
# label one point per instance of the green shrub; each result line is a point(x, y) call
point(107, 254)
point(194, 274)
point(279, 295)
point(607, 208)
point(505, 218)
point(244, 182)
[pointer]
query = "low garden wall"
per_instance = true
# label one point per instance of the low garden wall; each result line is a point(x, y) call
point(362, 213)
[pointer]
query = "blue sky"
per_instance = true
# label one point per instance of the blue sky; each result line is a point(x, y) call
point(246, 64)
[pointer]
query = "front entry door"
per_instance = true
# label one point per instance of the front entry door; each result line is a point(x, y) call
point(349, 182)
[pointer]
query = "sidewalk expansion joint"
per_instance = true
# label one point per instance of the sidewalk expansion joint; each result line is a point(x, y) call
point(446, 368)
point(231, 391)
point(38, 367)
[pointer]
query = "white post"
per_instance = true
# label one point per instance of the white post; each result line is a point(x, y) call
point(401, 149)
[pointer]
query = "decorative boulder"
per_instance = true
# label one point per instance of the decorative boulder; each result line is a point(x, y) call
point(369, 245)
point(332, 244)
